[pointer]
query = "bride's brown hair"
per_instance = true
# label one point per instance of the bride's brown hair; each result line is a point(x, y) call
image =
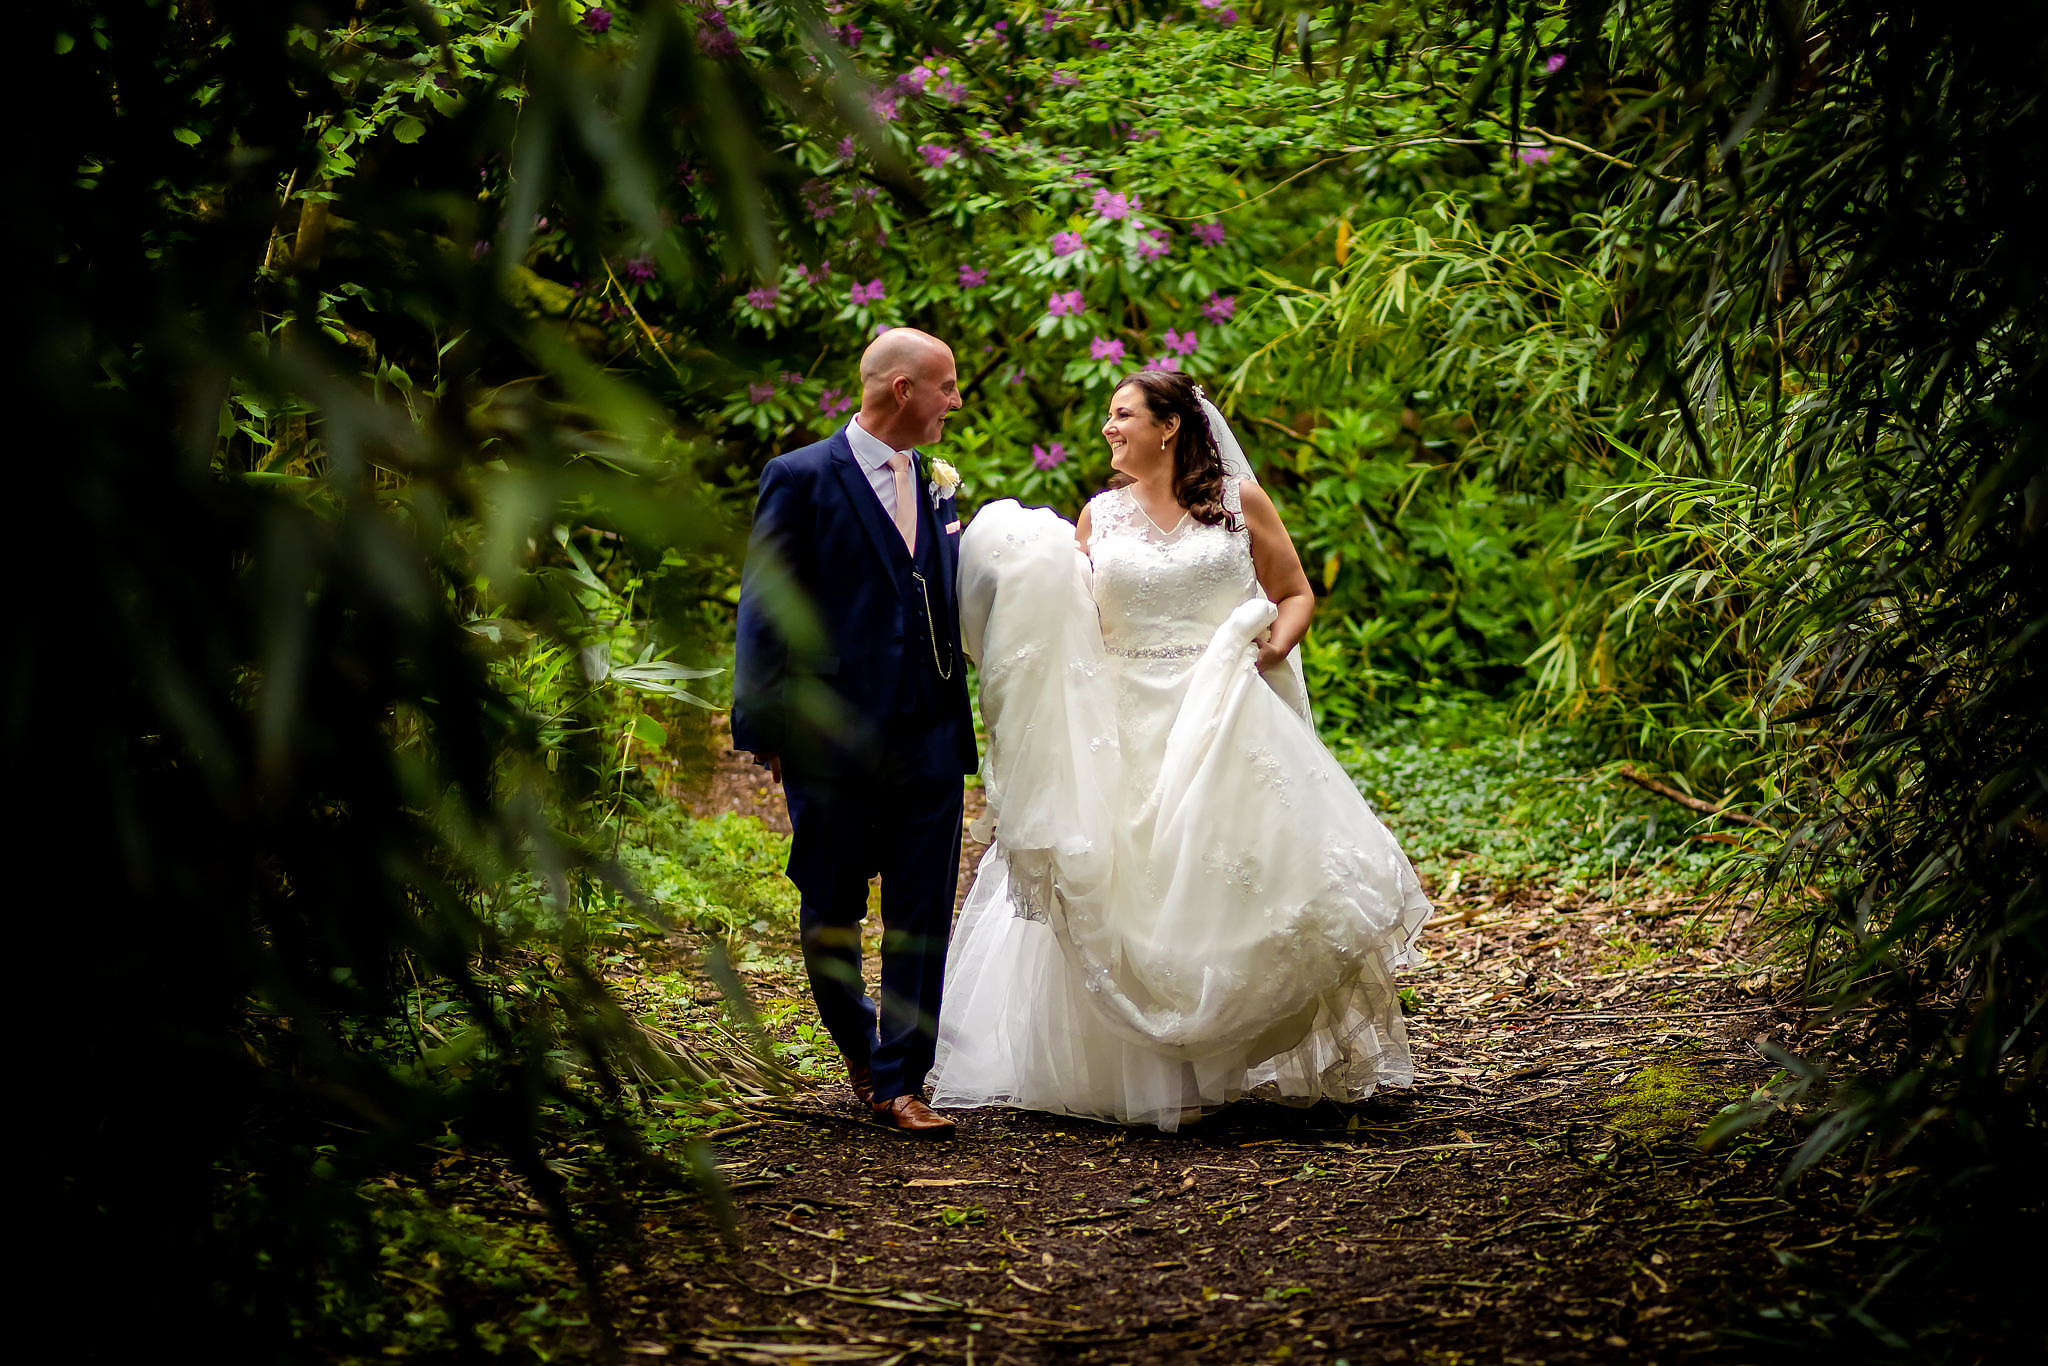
point(1197, 463)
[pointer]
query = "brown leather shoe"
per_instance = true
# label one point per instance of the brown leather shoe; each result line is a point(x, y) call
point(911, 1116)
point(863, 1084)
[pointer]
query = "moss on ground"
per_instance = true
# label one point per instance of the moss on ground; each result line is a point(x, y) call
point(1668, 1100)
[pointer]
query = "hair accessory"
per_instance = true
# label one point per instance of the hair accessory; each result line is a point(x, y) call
point(1199, 392)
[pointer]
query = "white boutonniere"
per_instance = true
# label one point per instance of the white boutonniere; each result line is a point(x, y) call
point(945, 482)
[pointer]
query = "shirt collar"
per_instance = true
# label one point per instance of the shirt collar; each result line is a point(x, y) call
point(872, 452)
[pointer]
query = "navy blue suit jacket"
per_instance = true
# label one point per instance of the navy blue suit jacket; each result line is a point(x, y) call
point(829, 620)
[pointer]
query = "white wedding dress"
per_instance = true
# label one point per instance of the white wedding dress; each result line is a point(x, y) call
point(1186, 899)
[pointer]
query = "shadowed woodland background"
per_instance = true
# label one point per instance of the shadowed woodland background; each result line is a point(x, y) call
point(1663, 379)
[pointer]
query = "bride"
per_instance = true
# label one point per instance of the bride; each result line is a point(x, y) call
point(1185, 899)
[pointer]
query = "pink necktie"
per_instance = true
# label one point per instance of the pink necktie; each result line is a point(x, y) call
point(906, 506)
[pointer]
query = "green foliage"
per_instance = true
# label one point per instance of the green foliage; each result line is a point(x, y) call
point(1504, 807)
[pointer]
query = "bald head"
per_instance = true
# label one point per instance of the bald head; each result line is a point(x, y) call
point(900, 351)
point(908, 385)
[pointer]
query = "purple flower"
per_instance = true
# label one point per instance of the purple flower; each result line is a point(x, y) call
point(934, 155)
point(882, 104)
point(1001, 26)
point(479, 251)
point(1096, 42)
point(869, 293)
point(864, 194)
point(1048, 19)
point(757, 394)
point(914, 80)
point(1158, 246)
point(1533, 156)
point(848, 34)
point(846, 148)
point(1062, 305)
point(1227, 18)
point(880, 328)
point(1104, 348)
point(1208, 234)
point(1163, 363)
point(1066, 243)
point(1047, 457)
point(686, 174)
point(1181, 343)
point(1111, 206)
point(1062, 78)
point(1219, 308)
point(639, 270)
point(1016, 376)
point(792, 377)
point(970, 278)
point(763, 298)
point(715, 38)
point(597, 20)
point(831, 404)
point(817, 277)
point(1553, 63)
point(952, 92)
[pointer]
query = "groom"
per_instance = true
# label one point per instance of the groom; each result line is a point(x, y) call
point(848, 687)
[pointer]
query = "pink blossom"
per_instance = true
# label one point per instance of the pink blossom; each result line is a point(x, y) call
point(715, 38)
point(764, 297)
point(1111, 206)
point(809, 276)
point(864, 194)
point(1048, 19)
point(1208, 234)
point(792, 377)
point(597, 20)
point(1163, 363)
point(1554, 63)
point(848, 35)
point(1096, 43)
point(831, 404)
point(869, 293)
point(1219, 308)
point(1065, 304)
point(479, 251)
point(952, 92)
point(1062, 78)
point(1533, 156)
point(1104, 348)
point(685, 173)
point(1181, 343)
point(1159, 245)
point(757, 394)
point(970, 278)
point(639, 270)
point(914, 80)
point(882, 104)
point(1227, 18)
point(846, 148)
point(1047, 457)
point(934, 155)
point(1066, 243)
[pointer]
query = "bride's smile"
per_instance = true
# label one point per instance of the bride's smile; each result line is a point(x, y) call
point(1140, 445)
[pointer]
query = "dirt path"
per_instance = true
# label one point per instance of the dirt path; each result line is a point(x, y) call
point(1533, 1198)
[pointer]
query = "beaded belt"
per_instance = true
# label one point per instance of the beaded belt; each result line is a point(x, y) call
point(1159, 651)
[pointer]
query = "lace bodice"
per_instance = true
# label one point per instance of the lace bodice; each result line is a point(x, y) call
point(1162, 592)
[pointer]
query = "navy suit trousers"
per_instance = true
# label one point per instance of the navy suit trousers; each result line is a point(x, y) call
point(902, 822)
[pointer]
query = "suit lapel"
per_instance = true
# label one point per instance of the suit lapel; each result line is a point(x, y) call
point(867, 509)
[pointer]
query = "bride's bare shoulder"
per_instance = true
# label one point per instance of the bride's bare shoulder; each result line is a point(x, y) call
point(1084, 524)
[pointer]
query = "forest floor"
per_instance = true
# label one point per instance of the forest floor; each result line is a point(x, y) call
point(1537, 1195)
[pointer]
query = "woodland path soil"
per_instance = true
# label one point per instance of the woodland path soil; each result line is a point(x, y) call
point(1534, 1197)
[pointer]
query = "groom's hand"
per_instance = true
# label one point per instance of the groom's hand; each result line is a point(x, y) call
point(771, 762)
